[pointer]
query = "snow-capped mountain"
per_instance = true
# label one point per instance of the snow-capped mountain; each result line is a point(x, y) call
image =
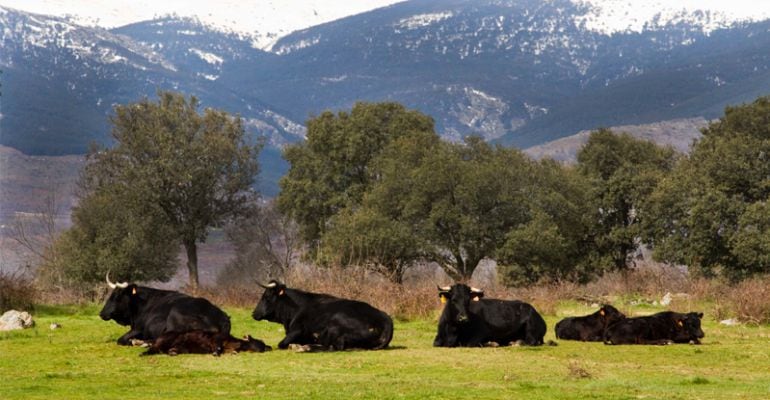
point(261, 21)
point(520, 72)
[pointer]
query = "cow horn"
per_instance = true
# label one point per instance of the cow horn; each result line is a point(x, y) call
point(268, 286)
point(121, 285)
point(444, 288)
point(476, 290)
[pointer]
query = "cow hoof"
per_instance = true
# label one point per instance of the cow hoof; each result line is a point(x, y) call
point(517, 343)
point(138, 343)
point(299, 348)
point(491, 344)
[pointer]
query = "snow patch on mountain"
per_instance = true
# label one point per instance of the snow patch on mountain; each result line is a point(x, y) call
point(614, 16)
point(421, 20)
point(210, 58)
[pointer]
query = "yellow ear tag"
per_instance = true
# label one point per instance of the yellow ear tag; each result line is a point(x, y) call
point(281, 292)
point(476, 298)
point(133, 290)
point(443, 299)
point(680, 323)
point(601, 312)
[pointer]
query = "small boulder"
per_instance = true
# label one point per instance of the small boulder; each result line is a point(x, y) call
point(730, 322)
point(666, 300)
point(13, 320)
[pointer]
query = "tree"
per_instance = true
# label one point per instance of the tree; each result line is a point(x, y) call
point(457, 201)
point(711, 213)
point(195, 170)
point(266, 243)
point(115, 232)
point(554, 241)
point(331, 169)
point(623, 172)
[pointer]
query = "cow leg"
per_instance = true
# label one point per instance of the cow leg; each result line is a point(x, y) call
point(291, 337)
point(125, 340)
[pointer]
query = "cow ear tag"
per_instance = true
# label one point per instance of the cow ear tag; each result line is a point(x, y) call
point(281, 292)
point(133, 290)
point(443, 299)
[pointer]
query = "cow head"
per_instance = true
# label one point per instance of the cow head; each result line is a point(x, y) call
point(688, 327)
point(118, 305)
point(458, 299)
point(268, 305)
point(610, 314)
point(250, 344)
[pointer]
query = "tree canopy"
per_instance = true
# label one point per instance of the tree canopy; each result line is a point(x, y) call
point(623, 172)
point(331, 170)
point(711, 213)
point(185, 172)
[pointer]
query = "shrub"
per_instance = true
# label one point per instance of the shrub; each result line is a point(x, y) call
point(16, 292)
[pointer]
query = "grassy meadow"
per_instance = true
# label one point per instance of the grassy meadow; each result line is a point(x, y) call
point(81, 360)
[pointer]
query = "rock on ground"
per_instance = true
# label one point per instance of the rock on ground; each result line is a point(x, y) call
point(13, 320)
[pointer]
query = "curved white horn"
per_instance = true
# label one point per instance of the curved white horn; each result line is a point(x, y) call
point(110, 284)
point(476, 290)
point(121, 285)
point(444, 288)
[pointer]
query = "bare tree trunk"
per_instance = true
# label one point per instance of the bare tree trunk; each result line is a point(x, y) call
point(192, 263)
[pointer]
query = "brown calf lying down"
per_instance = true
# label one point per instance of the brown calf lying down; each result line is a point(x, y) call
point(201, 342)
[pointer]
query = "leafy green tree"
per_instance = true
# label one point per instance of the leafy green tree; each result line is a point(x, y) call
point(623, 172)
point(554, 242)
point(195, 170)
point(711, 213)
point(113, 232)
point(331, 170)
point(456, 200)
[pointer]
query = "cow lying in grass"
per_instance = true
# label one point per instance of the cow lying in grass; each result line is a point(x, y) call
point(202, 342)
point(589, 328)
point(152, 312)
point(329, 322)
point(470, 321)
point(662, 328)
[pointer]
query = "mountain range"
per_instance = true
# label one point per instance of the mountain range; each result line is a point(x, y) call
point(517, 72)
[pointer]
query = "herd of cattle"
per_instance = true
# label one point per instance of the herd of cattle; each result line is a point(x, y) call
point(174, 323)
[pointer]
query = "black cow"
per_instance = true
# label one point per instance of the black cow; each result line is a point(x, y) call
point(202, 342)
point(661, 328)
point(469, 321)
point(588, 328)
point(320, 319)
point(153, 312)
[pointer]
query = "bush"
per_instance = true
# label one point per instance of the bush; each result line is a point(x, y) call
point(17, 292)
point(749, 301)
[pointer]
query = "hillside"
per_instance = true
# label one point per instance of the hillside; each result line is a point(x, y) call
point(678, 134)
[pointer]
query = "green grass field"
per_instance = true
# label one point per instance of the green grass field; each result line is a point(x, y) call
point(81, 360)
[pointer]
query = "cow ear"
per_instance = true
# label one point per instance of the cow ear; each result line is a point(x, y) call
point(477, 296)
point(700, 315)
point(601, 311)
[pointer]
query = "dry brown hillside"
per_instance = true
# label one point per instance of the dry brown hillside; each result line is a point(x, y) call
point(678, 133)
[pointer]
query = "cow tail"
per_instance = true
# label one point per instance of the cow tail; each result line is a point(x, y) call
point(386, 336)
